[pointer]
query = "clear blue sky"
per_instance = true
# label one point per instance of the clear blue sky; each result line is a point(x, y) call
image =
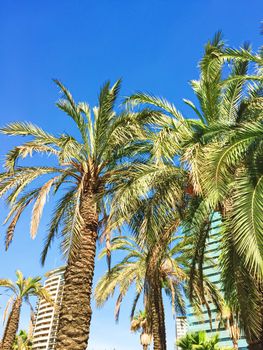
point(154, 45)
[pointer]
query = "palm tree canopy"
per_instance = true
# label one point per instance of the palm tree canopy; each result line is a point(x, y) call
point(23, 287)
point(132, 270)
point(220, 148)
point(107, 140)
point(23, 341)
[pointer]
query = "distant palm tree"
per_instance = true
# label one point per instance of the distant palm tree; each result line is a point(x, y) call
point(22, 290)
point(132, 270)
point(172, 276)
point(139, 322)
point(154, 200)
point(83, 167)
point(22, 341)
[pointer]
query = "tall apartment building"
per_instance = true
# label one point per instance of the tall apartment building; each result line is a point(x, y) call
point(46, 321)
point(181, 328)
point(195, 324)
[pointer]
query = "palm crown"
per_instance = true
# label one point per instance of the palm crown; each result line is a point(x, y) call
point(220, 149)
point(22, 289)
point(22, 341)
point(105, 140)
point(132, 271)
point(25, 287)
point(83, 178)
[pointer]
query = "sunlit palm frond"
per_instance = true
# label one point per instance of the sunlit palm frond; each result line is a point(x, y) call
point(241, 290)
point(246, 221)
point(57, 221)
point(39, 205)
point(162, 103)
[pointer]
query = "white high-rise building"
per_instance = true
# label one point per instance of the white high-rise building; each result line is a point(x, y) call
point(46, 321)
point(181, 329)
point(181, 326)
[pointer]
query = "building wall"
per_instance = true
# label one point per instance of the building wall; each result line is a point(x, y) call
point(46, 320)
point(181, 327)
point(195, 323)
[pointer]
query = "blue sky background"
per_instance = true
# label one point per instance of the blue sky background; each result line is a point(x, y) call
point(154, 45)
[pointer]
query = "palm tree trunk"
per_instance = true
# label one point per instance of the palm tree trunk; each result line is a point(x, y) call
point(158, 317)
point(155, 300)
point(12, 325)
point(154, 287)
point(256, 346)
point(75, 312)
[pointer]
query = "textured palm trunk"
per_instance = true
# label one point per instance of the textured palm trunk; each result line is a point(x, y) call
point(157, 314)
point(12, 326)
point(155, 298)
point(155, 289)
point(75, 313)
point(256, 346)
point(254, 343)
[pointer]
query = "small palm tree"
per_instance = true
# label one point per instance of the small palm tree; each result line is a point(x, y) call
point(22, 341)
point(132, 271)
point(153, 202)
point(83, 168)
point(198, 341)
point(139, 323)
point(22, 289)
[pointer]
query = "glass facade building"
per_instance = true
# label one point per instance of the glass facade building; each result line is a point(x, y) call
point(196, 323)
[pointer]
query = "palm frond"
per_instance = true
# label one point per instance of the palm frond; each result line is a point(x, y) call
point(39, 206)
point(159, 102)
point(27, 149)
point(56, 221)
point(246, 221)
point(69, 106)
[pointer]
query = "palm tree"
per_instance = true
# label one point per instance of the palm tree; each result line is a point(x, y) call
point(22, 341)
point(153, 199)
point(221, 148)
point(22, 289)
point(139, 322)
point(83, 168)
point(132, 271)
point(227, 175)
point(150, 198)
